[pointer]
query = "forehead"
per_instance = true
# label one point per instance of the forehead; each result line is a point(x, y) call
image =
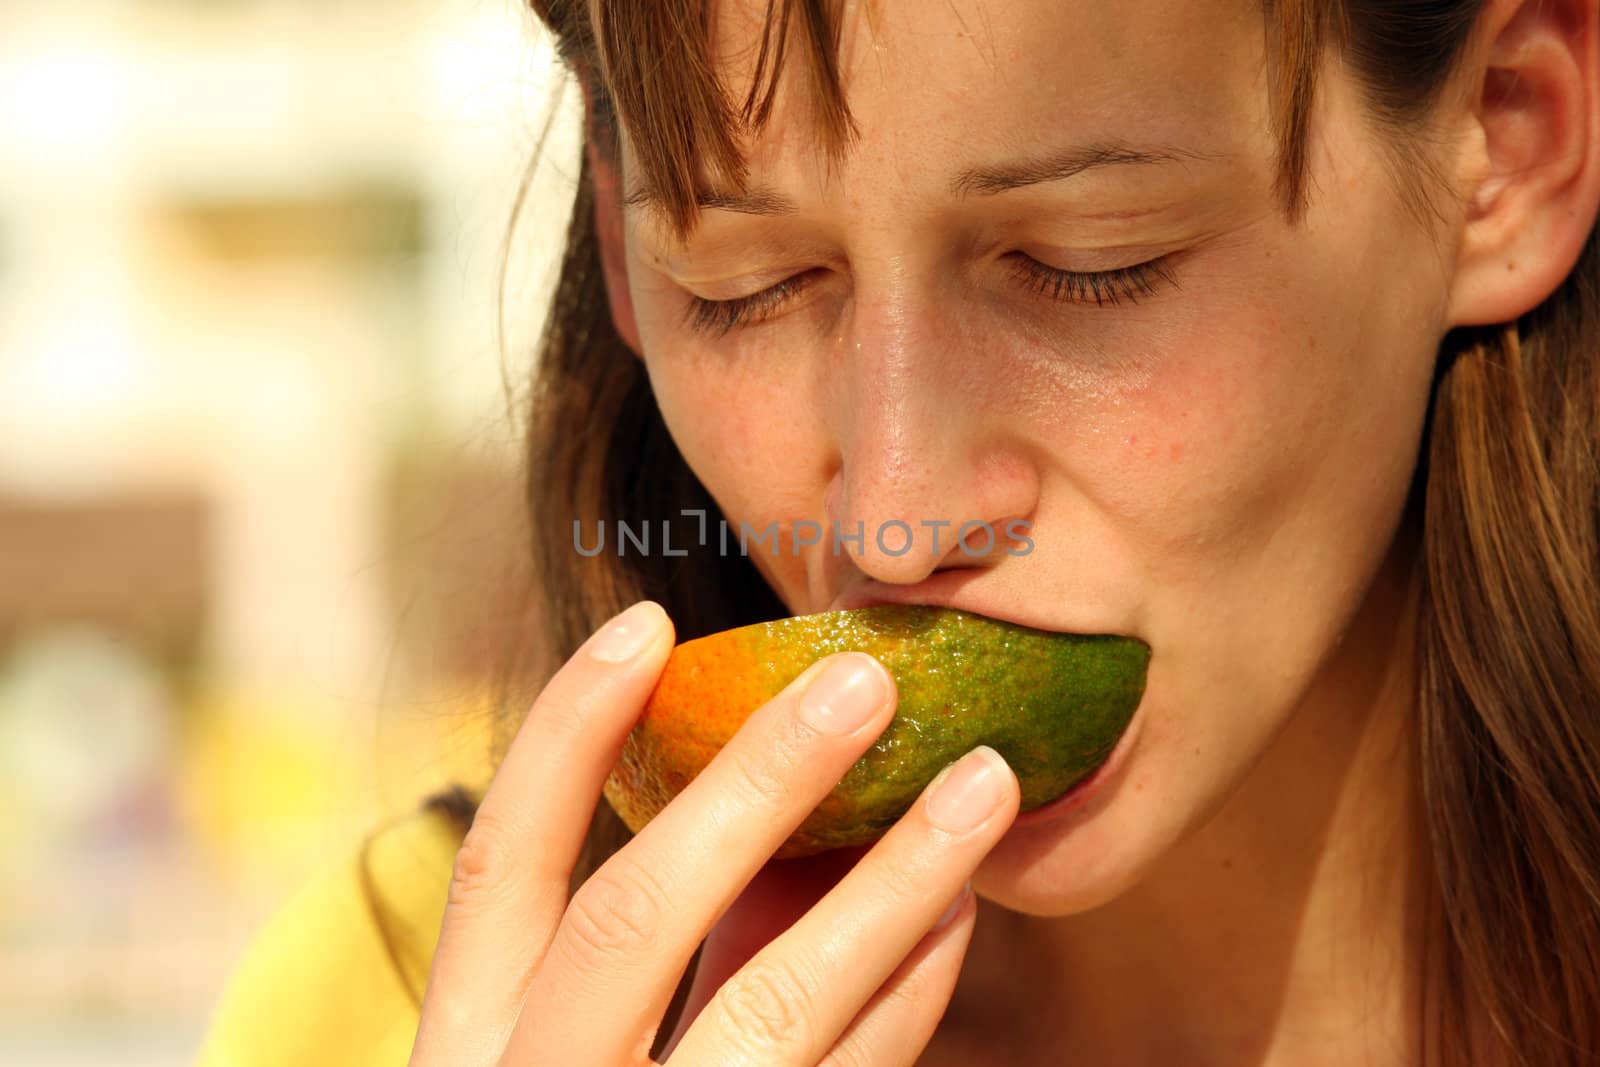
point(931, 84)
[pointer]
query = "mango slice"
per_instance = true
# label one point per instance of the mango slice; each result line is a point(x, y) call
point(1052, 704)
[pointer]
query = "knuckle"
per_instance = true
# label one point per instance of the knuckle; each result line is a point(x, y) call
point(483, 864)
point(893, 1008)
point(559, 713)
point(759, 773)
point(613, 916)
point(767, 1006)
point(906, 887)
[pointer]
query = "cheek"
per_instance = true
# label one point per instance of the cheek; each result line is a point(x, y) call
point(1198, 461)
point(1266, 411)
point(747, 437)
point(1253, 483)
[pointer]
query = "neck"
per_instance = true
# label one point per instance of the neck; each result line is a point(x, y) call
point(1287, 930)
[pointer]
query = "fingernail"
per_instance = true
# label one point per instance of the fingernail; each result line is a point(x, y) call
point(847, 694)
point(967, 791)
point(954, 909)
point(627, 634)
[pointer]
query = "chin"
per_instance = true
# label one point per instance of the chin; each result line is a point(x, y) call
point(1090, 844)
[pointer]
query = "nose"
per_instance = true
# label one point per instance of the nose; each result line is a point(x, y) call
point(930, 472)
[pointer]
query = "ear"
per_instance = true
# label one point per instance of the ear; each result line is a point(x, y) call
point(1535, 157)
point(608, 226)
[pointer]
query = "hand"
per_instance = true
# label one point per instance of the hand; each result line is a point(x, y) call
point(524, 977)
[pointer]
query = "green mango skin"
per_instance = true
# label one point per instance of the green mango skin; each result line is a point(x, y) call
point(1053, 704)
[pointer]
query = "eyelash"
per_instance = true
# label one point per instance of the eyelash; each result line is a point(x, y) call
point(1106, 286)
point(719, 317)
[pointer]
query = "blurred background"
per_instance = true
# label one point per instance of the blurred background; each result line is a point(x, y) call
point(259, 426)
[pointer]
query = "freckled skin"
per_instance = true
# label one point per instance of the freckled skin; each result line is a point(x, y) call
point(1217, 468)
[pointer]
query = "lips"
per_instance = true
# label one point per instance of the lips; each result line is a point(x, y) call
point(958, 589)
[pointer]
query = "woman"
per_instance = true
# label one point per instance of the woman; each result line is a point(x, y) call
point(1277, 328)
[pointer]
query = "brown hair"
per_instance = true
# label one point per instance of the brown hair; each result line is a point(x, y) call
point(1505, 502)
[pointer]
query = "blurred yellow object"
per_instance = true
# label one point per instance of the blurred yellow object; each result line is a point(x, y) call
point(272, 780)
point(335, 979)
point(258, 776)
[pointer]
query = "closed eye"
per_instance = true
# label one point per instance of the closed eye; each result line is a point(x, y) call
point(719, 317)
point(1099, 287)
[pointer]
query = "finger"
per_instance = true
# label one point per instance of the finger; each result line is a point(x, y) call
point(901, 1015)
point(630, 930)
point(791, 1002)
point(781, 892)
point(894, 1029)
point(509, 886)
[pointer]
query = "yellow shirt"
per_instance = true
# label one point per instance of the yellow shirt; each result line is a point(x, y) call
point(335, 978)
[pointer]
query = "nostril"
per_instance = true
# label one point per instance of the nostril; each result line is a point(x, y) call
point(982, 542)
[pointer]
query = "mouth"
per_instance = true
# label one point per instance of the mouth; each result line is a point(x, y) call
point(959, 589)
point(955, 589)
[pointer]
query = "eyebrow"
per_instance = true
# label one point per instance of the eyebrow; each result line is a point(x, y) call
point(980, 181)
point(760, 200)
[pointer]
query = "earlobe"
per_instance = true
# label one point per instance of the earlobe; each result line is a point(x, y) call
point(1536, 161)
point(608, 231)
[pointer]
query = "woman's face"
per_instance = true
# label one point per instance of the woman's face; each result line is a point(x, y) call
point(1213, 457)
